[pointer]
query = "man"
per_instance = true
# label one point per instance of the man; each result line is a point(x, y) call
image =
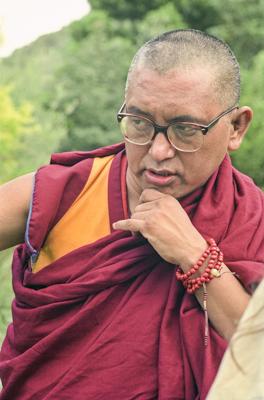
point(128, 252)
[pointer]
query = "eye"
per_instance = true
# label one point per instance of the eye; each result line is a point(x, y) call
point(139, 123)
point(184, 130)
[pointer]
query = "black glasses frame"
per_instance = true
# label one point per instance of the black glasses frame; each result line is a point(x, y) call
point(162, 128)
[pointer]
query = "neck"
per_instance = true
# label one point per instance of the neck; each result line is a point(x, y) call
point(133, 193)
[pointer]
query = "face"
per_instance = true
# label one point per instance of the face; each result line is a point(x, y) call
point(162, 98)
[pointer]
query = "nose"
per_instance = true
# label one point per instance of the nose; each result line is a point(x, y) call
point(160, 148)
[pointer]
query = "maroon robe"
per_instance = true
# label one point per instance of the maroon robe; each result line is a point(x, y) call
point(109, 320)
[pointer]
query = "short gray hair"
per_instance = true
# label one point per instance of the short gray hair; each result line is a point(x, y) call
point(187, 48)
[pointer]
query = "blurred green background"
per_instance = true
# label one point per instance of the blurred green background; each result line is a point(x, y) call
point(62, 92)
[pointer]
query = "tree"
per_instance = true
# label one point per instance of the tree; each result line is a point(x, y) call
point(165, 18)
point(250, 157)
point(15, 123)
point(199, 14)
point(241, 25)
point(125, 9)
point(93, 84)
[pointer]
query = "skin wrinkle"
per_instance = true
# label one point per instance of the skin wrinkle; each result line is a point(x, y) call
point(198, 86)
point(179, 118)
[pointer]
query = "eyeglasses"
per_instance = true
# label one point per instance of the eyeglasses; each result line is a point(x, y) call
point(183, 136)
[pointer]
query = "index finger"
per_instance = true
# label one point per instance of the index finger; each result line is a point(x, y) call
point(133, 225)
point(150, 195)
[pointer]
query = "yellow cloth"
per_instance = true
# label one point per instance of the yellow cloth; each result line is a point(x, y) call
point(86, 221)
point(231, 382)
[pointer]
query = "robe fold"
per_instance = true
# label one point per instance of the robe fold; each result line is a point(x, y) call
point(108, 320)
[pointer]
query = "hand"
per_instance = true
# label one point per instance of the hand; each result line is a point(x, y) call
point(163, 222)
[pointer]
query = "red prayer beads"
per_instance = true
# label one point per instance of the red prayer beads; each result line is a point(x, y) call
point(212, 270)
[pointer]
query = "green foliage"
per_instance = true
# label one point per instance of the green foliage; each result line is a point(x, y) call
point(15, 124)
point(199, 14)
point(93, 82)
point(98, 22)
point(163, 19)
point(93, 22)
point(31, 70)
point(125, 9)
point(31, 74)
point(241, 25)
point(249, 158)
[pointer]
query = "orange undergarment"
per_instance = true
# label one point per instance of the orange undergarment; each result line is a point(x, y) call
point(86, 221)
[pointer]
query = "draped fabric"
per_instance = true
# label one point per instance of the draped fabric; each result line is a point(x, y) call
point(240, 375)
point(109, 320)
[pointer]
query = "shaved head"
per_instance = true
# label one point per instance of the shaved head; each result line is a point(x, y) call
point(189, 49)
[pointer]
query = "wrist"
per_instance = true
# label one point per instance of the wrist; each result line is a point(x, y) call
point(212, 258)
point(193, 255)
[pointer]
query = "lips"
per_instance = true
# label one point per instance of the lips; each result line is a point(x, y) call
point(161, 172)
point(160, 177)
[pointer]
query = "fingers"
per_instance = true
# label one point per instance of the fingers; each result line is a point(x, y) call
point(132, 225)
point(150, 195)
point(152, 199)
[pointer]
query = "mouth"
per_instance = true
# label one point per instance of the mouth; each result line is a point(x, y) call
point(161, 177)
point(161, 172)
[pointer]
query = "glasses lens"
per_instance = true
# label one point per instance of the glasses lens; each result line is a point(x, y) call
point(136, 129)
point(185, 137)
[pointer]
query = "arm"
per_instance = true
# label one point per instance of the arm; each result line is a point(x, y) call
point(226, 302)
point(14, 206)
point(163, 222)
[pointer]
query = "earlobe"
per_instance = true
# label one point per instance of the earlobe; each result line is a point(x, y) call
point(240, 124)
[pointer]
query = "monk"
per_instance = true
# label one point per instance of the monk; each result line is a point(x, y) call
point(135, 262)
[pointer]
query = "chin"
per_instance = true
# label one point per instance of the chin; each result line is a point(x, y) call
point(176, 193)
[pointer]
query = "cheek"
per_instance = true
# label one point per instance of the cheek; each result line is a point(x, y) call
point(135, 155)
point(197, 173)
point(204, 164)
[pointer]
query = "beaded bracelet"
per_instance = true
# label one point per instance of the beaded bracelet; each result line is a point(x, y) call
point(213, 269)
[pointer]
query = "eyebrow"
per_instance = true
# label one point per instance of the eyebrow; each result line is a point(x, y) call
point(179, 118)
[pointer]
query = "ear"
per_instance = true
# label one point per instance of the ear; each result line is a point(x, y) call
point(240, 123)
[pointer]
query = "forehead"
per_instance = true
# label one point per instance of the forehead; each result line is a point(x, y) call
point(186, 90)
